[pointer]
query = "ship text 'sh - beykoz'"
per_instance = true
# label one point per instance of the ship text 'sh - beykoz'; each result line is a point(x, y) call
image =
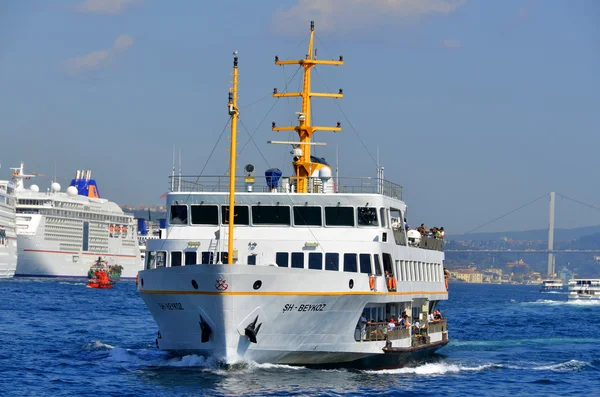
point(316, 269)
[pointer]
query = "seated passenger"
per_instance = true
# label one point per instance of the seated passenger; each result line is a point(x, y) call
point(391, 324)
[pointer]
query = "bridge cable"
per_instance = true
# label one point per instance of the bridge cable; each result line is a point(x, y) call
point(505, 215)
point(579, 202)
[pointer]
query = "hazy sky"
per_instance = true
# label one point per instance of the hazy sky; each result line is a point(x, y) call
point(477, 106)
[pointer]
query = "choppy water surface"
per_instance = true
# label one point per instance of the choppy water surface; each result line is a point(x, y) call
point(59, 338)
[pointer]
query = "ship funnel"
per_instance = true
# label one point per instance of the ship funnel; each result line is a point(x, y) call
point(142, 230)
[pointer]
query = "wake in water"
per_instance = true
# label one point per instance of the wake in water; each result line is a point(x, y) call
point(152, 358)
point(561, 303)
point(443, 368)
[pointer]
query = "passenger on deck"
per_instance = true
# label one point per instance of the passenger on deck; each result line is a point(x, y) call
point(391, 324)
point(404, 323)
point(363, 326)
point(437, 315)
point(430, 318)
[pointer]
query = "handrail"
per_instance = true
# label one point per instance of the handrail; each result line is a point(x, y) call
point(345, 185)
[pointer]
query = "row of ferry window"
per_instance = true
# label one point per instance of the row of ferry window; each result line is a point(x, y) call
point(303, 215)
point(74, 214)
point(351, 262)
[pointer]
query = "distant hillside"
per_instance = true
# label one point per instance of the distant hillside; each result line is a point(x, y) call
point(559, 234)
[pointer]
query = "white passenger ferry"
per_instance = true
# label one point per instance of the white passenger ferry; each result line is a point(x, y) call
point(584, 289)
point(314, 274)
point(551, 285)
point(8, 235)
point(62, 234)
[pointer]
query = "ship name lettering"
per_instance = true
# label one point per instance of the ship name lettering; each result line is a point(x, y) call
point(171, 306)
point(318, 307)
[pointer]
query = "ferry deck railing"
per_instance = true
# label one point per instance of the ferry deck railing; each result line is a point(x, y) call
point(379, 331)
point(208, 183)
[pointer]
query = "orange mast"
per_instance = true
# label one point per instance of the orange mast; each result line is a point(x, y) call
point(233, 112)
point(303, 166)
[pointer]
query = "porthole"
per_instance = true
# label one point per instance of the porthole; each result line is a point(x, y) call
point(142, 282)
point(257, 284)
point(351, 284)
point(194, 284)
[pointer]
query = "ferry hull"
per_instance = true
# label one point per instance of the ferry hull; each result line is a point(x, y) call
point(8, 258)
point(310, 319)
point(46, 260)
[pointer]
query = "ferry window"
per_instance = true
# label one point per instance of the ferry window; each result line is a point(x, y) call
point(307, 216)
point(178, 214)
point(208, 257)
point(367, 216)
point(205, 214)
point(365, 263)
point(271, 215)
point(298, 260)
point(332, 261)
point(282, 259)
point(190, 258)
point(176, 258)
point(241, 215)
point(377, 265)
point(151, 260)
point(315, 261)
point(339, 216)
point(252, 259)
point(350, 263)
point(387, 264)
point(161, 258)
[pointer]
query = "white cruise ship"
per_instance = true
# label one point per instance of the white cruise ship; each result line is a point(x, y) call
point(8, 235)
point(584, 289)
point(303, 271)
point(61, 234)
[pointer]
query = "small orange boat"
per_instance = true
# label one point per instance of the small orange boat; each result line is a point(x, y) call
point(100, 280)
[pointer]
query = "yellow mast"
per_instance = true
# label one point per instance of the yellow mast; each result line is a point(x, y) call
point(303, 166)
point(233, 112)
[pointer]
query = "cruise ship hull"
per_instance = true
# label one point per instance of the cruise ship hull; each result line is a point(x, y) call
point(45, 259)
point(297, 317)
point(8, 258)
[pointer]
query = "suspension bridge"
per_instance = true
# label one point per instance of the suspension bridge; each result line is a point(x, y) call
point(550, 250)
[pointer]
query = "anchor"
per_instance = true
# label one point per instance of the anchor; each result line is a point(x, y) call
point(252, 330)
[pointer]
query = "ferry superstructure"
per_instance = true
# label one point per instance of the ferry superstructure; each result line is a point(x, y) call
point(551, 285)
point(8, 235)
point(61, 234)
point(314, 273)
point(584, 289)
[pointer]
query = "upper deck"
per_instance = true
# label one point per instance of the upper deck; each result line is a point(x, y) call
point(316, 185)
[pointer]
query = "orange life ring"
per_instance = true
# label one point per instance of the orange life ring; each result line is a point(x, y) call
point(124, 229)
point(112, 228)
point(372, 282)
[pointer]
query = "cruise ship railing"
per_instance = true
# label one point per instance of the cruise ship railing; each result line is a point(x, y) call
point(349, 185)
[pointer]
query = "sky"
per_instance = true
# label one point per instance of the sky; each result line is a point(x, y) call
point(475, 107)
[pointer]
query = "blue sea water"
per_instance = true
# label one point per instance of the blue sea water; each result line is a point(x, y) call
point(59, 338)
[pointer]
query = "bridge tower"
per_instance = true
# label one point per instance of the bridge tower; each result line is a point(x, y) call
point(551, 268)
